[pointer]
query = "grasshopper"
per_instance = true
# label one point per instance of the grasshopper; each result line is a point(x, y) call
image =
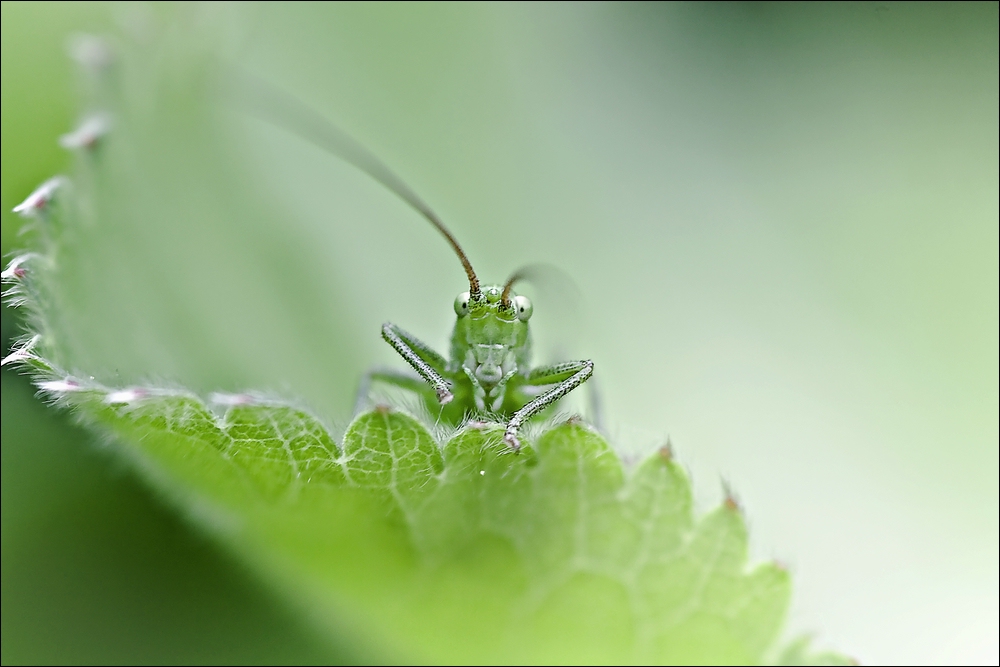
point(488, 371)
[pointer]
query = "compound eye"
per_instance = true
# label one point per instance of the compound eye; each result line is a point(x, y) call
point(462, 304)
point(522, 306)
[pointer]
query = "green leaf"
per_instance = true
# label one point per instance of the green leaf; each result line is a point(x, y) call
point(427, 546)
point(799, 652)
point(460, 551)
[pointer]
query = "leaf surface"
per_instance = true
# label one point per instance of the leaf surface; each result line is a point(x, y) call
point(427, 546)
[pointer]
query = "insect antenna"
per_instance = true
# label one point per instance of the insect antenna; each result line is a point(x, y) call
point(281, 109)
point(533, 273)
point(518, 275)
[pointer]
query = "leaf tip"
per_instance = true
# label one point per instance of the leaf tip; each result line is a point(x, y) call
point(231, 400)
point(87, 133)
point(40, 198)
point(16, 269)
point(23, 352)
point(125, 396)
point(60, 386)
point(732, 501)
point(666, 452)
point(90, 51)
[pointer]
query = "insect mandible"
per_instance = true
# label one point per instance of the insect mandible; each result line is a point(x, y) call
point(488, 371)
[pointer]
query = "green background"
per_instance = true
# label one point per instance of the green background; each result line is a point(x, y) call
point(782, 221)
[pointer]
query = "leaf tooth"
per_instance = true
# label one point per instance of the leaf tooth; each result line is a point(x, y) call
point(232, 400)
point(23, 352)
point(91, 51)
point(126, 396)
point(731, 501)
point(60, 386)
point(666, 452)
point(40, 198)
point(88, 132)
point(16, 269)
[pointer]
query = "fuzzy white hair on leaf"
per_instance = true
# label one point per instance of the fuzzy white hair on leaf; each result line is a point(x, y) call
point(15, 270)
point(21, 353)
point(232, 400)
point(60, 386)
point(88, 132)
point(40, 198)
point(90, 51)
point(123, 396)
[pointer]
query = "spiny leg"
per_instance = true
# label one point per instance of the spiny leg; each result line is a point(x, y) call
point(421, 357)
point(420, 348)
point(569, 375)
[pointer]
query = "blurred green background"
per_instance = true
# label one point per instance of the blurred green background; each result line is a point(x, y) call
point(783, 220)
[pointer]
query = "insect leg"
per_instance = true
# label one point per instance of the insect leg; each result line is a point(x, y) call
point(395, 378)
point(425, 361)
point(498, 392)
point(478, 393)
point(569, 375)
point(420, 348)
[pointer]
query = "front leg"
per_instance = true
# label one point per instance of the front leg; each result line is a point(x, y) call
point(568, 375)
point(422, 358)
point(498, 392)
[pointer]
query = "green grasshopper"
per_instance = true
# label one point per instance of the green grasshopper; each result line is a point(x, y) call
point(489, 369)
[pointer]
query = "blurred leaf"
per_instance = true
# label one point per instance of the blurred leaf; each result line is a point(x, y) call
point(96, 570)
point(436, 549)
point(799, 652)
point(442, 544)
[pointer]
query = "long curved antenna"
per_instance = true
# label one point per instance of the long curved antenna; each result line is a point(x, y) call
point(518, 275)
point(283, 110)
